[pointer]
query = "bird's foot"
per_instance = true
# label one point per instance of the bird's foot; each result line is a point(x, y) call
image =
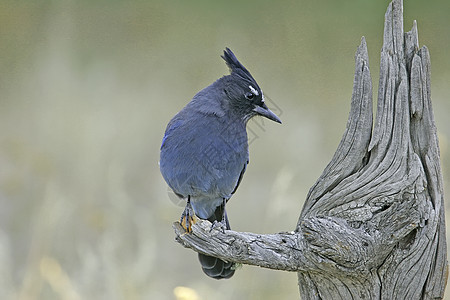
point(219, 225)
point(188, 218)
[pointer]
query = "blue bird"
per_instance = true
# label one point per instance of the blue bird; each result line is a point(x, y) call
point(204, 152)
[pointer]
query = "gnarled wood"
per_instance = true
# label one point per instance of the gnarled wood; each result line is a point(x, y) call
point(373, 224)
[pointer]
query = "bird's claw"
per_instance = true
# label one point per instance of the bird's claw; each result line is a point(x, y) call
point(219, 225)
point(188, 218)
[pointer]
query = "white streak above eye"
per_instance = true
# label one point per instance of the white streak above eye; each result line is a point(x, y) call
point(254, 91)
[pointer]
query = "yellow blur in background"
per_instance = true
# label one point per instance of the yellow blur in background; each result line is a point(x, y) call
point(86, 90)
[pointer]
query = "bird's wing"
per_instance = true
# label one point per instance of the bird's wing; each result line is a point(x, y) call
point(202, 156)
point(173, 124)
point(241, 175)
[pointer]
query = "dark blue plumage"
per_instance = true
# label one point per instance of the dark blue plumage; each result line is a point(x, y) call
point(204, 152)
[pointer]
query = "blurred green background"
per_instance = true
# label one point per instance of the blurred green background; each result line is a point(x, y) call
point(86, 90)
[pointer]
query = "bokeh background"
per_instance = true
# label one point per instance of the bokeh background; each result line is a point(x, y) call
point(86, 90)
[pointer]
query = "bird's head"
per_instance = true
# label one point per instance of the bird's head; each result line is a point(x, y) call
point(244, 95)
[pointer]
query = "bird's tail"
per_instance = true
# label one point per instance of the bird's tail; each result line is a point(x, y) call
point(212, 266)
point(215, 267)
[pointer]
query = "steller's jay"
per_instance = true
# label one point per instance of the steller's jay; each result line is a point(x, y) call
point(204, 152)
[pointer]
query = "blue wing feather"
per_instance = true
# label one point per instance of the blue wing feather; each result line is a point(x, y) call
point(204, 159)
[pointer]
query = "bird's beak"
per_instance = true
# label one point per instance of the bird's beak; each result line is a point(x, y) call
point(264, 111)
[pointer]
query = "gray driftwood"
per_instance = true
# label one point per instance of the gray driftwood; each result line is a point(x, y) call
point(373, 224)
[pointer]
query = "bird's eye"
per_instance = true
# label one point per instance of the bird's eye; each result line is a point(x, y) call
point(249, 96)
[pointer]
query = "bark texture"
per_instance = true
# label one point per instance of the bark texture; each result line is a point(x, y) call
point(373, 224)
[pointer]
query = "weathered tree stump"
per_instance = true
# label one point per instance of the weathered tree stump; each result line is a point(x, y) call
point(373, 225)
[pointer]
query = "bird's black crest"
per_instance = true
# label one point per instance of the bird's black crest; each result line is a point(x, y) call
point(236, 67)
